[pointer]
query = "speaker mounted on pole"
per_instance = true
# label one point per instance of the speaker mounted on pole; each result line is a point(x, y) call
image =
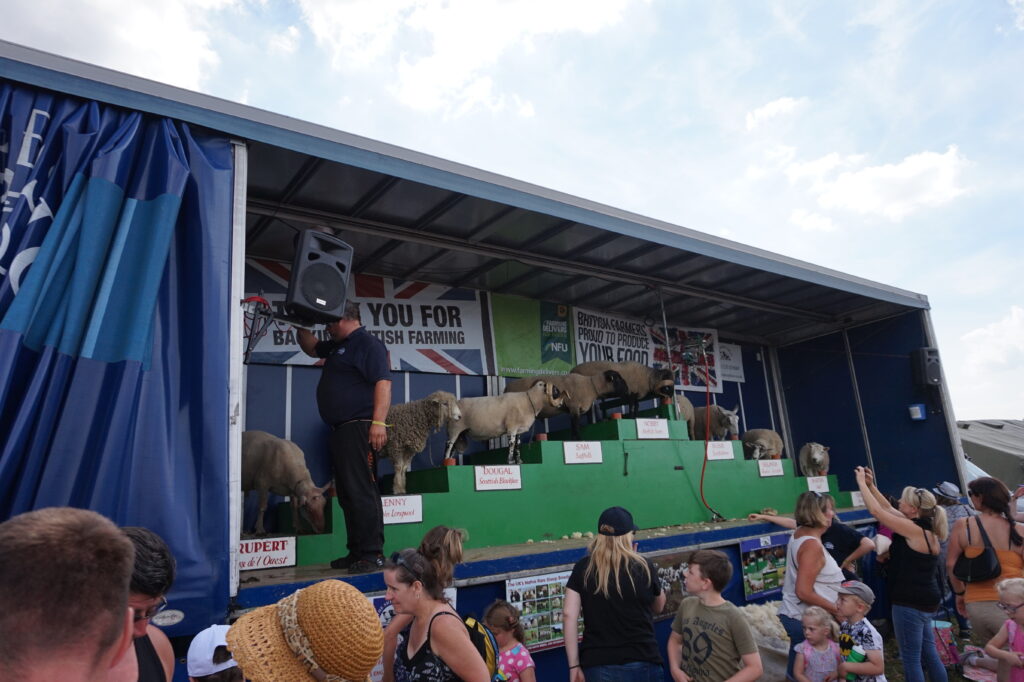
point(320, 274)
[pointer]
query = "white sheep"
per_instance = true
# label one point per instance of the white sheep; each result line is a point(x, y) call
point(508, 414)
point(578, 393)
point(814, 459)
point(684, 411)
point(724, 423)
point(762, 444)
point(410, 425)
point(275, 465)
point(641, 381)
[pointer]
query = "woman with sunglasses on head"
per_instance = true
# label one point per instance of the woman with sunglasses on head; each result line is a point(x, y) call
point(442, 547)
point(979, 601)
point(437, 648)
point(812, 576)
point(918, 525)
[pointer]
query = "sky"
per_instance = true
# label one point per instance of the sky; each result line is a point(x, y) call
point(881, 139)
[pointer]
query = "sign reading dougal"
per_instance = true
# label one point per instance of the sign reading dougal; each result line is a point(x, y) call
point(500, 477)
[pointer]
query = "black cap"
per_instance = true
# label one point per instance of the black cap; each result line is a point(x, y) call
point(615, 521)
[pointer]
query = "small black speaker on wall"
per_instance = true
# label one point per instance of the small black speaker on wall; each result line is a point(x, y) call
point(320, 271)
point(926, 367)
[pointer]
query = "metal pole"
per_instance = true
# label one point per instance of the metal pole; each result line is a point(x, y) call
point(767, 386)
point(947, 406)
point(856, 400)
point(668, 351)
point(780, 399)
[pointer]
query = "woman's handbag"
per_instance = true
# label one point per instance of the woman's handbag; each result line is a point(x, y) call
point(983, 567)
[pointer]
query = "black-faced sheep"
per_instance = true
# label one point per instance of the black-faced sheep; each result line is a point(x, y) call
point(276, 465)
point(641, 381)
point(814, 459)
point(578, 392)
point(762, 444)
point(724, 423)
point(508, 414)
point(411, 425)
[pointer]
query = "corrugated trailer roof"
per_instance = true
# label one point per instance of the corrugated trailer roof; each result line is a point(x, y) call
point(412, 215)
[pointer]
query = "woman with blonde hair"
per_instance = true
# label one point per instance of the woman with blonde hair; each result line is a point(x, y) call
point(918, 526)
point(812, 576)
point(979, 601)
point(618, 592)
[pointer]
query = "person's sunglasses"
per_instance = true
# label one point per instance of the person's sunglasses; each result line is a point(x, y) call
point(151, 611)
point(397, 560)
point(1009, 610)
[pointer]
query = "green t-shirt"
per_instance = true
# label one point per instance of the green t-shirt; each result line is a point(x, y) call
point(714, 639)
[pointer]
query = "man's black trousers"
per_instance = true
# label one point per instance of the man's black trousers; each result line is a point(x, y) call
point(355, 478)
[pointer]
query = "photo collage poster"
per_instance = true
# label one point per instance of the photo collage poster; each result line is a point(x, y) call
point(539, 599)
point(764, 564)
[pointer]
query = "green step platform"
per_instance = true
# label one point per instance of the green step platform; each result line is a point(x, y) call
point(657, 480)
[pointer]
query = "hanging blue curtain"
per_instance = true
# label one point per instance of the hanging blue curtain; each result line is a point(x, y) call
point(114, 294)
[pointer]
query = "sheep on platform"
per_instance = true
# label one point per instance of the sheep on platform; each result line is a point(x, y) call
point(814, 459)
point(508, 414)
point(578, 392)
point(275, 465)
point(762, 444)
point(684, 411)
point(410, 425)
point(724, 423)
point(641, 381)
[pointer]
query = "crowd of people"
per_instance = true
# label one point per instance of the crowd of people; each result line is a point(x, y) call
point(107, 584)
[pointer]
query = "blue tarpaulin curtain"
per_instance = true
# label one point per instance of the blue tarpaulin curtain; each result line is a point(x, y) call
point(114, 294)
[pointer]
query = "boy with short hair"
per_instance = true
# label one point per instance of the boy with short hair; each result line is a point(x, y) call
point(859, 641)
point(710, 637)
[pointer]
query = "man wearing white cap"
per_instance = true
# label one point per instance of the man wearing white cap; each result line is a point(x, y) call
point(209, 659)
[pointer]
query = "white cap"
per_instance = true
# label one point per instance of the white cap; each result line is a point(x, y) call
point(200, 651)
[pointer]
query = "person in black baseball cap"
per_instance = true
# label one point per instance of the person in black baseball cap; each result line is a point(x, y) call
point(618, 592)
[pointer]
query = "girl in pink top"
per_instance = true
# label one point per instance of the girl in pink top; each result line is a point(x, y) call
point(817, 657)
point(514, 661)
point(1011, 600)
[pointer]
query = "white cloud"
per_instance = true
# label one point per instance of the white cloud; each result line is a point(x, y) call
point(895, 191)
point(988, 375)
point(443, 52)
point(811, 222)
point(285, 42)
point(998, 346)
point(817, 170)
point(779, 107)
point(166, 41)
point(1017, 8)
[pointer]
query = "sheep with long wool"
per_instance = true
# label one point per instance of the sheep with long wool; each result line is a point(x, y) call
point(410, 425)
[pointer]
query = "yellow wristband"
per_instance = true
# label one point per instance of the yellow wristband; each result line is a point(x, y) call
point(377, 423)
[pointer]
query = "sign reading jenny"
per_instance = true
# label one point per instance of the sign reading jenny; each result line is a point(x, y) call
point(500, 477)
point(269, 553)
point(402, 509)
point(582, 452)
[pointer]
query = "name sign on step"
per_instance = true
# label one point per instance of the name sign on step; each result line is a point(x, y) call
point(267, 553)
point(770, 467)
point(817, 484)
point(402, 509)
point(582, 452)
point(652, 428)
point(501, 477)
point(856, 499)
point(720, 449)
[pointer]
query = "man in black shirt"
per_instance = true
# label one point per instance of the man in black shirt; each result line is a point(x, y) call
point(353, 396)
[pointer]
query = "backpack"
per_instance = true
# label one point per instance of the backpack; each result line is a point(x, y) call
point(485, 643)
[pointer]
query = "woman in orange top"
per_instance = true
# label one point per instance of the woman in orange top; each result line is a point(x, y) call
point(979, 601)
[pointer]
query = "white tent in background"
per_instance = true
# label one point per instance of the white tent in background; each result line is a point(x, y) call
point(995, 446)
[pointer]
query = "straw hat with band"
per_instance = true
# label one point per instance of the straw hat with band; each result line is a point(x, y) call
point(327, 632)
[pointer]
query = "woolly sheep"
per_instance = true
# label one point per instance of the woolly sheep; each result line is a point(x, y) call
point(641, 381)
point(724, 423)
point(411, 426)
point(275, 465)
point(578, 392)
point(508, 414)
point(762, 444)
point(684, 411)
point(814, 459)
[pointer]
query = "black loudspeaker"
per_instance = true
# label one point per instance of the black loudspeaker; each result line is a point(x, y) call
point(926, 367)
point(316, 292)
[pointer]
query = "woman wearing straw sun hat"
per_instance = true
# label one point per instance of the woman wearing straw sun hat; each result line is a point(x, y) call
point(325, 632)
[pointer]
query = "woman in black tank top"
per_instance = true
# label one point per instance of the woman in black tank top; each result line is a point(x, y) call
point(437, 647)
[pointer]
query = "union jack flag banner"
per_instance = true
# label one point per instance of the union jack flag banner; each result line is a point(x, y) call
point(427, 327)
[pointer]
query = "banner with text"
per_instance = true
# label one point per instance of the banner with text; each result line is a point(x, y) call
point(531, 337)
point(426, 327)
point(695, 356)
point(611, 338)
